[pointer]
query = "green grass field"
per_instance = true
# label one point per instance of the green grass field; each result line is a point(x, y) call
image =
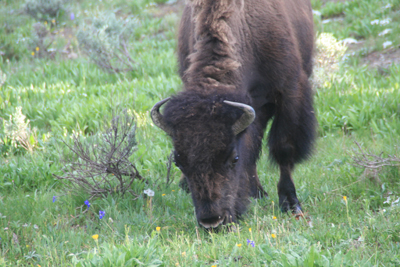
point(352, 215)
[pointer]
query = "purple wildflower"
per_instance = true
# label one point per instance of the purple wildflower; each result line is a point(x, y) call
point(72, 16)
point(101, 214)
point(87, 203)
point(54, 199)
point(251, 242)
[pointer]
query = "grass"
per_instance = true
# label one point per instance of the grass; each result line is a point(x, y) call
point(61, 96)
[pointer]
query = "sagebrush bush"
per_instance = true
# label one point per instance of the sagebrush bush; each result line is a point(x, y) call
point(17, 134)
point(107, 42)
point(100, 165)
point(328, 52)
point(44, 10)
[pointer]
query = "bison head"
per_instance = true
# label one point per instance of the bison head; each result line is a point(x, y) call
point(207, 136)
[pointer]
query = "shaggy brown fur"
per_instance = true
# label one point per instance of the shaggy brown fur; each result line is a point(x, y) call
point(256, 52)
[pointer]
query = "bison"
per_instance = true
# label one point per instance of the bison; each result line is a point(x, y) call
point(242, 63)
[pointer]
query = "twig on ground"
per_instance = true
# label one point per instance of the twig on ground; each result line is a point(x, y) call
point(371, 161)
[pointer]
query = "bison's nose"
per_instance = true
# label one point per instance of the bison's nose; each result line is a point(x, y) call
point(211, 222)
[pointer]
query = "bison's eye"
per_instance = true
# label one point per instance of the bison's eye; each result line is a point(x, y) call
point(234, 161)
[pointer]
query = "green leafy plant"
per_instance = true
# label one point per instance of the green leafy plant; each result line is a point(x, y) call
point(3, 78)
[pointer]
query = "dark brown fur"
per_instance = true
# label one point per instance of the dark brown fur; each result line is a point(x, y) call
point(257, 52)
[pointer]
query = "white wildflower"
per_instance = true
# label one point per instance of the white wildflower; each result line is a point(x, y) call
point(387, 6)
point(317, 13)
point(149, 192)
point(386, 31)
point(348, 41)
point(386, 44)
point(381, 22)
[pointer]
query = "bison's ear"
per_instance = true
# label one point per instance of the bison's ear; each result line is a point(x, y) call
point(245, 120)
point(158, 118)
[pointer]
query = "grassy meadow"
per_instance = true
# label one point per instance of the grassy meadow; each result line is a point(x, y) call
point(50, 89)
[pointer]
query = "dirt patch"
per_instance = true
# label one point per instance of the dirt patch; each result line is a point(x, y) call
point(383, 59)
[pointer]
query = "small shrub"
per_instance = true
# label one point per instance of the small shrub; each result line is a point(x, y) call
point(106, 42)
point(40, 41)
point(328, 53)
point(44, 10)
point(13, 30)
point(101, 166)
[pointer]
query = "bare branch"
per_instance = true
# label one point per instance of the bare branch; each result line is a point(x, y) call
point(367, 160)
point(169, 165)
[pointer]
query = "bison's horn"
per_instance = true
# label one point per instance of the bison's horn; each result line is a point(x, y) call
point(245, 120)
point(158, 118)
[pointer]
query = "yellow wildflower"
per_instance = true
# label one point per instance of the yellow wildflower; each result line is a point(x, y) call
point(184, 254)
point(95, 237)
point(163, 195)
point(239, 245)
point(158, 228)
point(274, 218)
point(273, 235)
point(54, 21)
point(37, 48)
point(213, 265)
point(250, 230)
point(345, 198)
point(173, 190)
point(33, 53)
point(27, 246)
